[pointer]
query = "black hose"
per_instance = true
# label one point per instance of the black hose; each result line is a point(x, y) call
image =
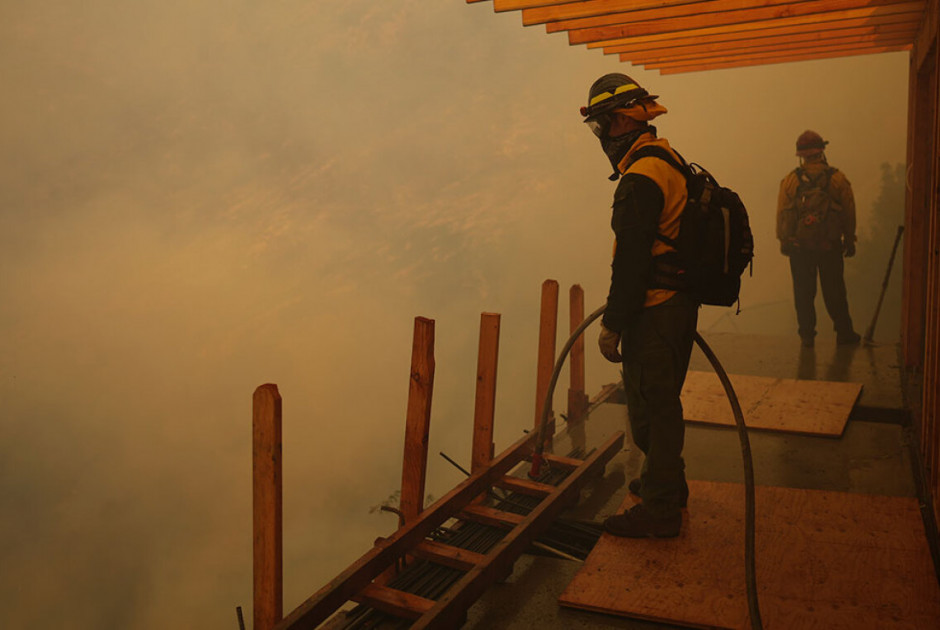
point(547, 407)
point(750, 568)
point(749, 511)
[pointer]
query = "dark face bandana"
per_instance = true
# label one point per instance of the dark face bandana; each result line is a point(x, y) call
point(616, 148)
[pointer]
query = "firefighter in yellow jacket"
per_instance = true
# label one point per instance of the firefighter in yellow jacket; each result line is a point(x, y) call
point(652, 325)
point(816, 227)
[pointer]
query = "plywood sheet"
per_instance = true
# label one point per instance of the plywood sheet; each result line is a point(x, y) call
point(825, 560)
point(778, 404)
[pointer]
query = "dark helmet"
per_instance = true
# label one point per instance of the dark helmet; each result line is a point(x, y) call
point(810, 143)
point(612, 91)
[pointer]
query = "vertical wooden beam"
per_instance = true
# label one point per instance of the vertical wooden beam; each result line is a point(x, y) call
point(548, 325)
point(577, 398)
point(921, 148)
point(266, 506)
point(418, 421)
point(485, 407)
point(931, 374)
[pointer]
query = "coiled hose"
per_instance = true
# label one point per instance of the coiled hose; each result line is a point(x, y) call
point(750, 569)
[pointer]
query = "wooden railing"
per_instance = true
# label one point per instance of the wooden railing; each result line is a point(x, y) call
point(359, 581)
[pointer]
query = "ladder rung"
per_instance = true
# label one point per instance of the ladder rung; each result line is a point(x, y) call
point(563, 462)
point(448, 555)
point(525, 486)
point(490, 516)
point(393, 601)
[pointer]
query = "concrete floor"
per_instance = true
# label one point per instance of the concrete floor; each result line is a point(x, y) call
point(870, 457)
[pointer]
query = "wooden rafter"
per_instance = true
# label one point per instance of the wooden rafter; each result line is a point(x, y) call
point(746, 10)
point(762, 61)
point(702, 33)
point(751, 38)
point(786, 44)
point(808, 53)
point(751, 19)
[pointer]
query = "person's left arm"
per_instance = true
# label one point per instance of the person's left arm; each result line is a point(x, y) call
point(847, 200)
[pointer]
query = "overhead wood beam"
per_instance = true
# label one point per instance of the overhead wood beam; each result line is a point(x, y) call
point(721, 57)
point(903, 22)
point(742, 10)
point(738, 20)
point(808, 43)
point(515, 5)
point(927, 35)
point(760, 29)
point(594, 8)
point(767, 54)
point(760, 61)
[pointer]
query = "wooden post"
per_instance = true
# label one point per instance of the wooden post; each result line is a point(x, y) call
point(577, 399)
point(548, 324)
point(266, 507)
point(485, 407)
point(418, 421)
point(920, 202)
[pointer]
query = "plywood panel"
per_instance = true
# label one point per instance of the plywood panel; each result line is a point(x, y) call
point(824, 560)
point(778, 404)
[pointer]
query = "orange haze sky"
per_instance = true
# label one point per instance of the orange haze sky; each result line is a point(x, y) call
point(200, 197)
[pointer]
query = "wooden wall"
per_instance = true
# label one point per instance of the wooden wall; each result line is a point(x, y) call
point(920, 333)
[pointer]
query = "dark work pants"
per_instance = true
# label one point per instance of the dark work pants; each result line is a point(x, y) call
point(656, 350)
point(804, 267)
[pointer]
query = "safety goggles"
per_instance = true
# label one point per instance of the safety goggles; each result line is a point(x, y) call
point(599, 124)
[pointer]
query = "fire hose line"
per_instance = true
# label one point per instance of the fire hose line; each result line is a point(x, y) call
point(749, 512)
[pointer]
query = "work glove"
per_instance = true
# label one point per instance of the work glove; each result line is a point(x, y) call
point(609, 342)
point(787, 247)
point(849, 249)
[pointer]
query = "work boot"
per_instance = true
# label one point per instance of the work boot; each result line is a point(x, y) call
point(849, 339)
point(635, 485)
point(637, 522)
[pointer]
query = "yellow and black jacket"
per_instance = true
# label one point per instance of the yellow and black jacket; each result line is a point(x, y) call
point(649, 199)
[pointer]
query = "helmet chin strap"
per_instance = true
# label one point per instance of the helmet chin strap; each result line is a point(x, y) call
point(617, 147)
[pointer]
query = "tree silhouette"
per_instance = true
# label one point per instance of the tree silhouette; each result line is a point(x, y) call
point(866, 272)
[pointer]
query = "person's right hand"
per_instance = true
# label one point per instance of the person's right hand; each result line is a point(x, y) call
point(609, 342)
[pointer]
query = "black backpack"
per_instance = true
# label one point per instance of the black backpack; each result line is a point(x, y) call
point(714, 245)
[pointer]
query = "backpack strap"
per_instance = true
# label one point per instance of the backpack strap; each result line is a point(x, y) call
point(658, 152)
point(683, 167)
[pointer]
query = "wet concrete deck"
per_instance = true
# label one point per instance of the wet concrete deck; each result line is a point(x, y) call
point(871, 457)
